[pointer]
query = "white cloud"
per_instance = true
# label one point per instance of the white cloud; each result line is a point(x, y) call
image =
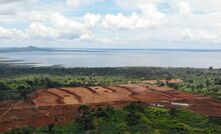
point(69, 28)
point(135, 3)
point(53, 25)
point(206, 6)
point(91, 19)
point(149, 18)
point(10, 33)
point(60, 21)
point(86, 36)
point(8, 9)
point(34, 15)
point(189, 35)
point(73, 3)
point(13, 6)
point(79, 3)
point(16, 1)
point(120, 21)
point(184, 8)
point(142, 20)
point(38, 30)
point(48, 24)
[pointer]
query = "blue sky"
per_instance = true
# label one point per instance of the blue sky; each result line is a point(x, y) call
point(111, 23)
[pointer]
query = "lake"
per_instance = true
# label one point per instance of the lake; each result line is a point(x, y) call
point(117, 58)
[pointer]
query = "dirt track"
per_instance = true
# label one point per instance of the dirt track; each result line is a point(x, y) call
point(59, 105)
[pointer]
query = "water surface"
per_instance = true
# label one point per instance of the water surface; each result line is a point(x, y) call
point(118, 58)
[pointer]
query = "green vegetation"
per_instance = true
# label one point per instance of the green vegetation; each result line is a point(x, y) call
point(19, 87)
point(18, 82)
point(207, 84)
point(134, 119)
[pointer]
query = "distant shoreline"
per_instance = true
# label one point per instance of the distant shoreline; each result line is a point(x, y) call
point(91, 57)
point(33, 48)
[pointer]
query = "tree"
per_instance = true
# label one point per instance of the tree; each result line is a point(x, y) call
point(24, 94)
point(50, 128)
point(83, 109)
point(86, 120)
point(173, 111)
point(3, 86)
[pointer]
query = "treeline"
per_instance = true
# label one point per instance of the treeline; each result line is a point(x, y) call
point(19, 87)
point(16, 82)
point(135, 118)
point(204, 84)
point(132, 72)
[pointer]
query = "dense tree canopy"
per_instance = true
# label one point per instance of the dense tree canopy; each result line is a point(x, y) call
point(134, 119)
point(17, 81)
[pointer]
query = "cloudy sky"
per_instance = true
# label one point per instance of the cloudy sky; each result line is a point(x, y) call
point(111, 23)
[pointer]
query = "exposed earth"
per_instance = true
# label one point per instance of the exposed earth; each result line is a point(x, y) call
point(59, 105)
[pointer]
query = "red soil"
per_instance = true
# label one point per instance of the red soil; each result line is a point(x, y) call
point(59, 105)
point(43, 98)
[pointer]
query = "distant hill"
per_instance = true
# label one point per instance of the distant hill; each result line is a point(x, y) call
point(18, 49)
point(34, 48)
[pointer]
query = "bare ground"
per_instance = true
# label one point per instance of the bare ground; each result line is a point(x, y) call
point(59, 105)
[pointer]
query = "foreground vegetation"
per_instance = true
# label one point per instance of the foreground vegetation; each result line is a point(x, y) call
point(17, 82)
point(133, 119)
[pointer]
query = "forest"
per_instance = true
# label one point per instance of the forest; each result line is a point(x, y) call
point(16, 82)
point(135, 118)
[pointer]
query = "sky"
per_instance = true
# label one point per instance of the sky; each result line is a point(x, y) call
point(111, 23)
